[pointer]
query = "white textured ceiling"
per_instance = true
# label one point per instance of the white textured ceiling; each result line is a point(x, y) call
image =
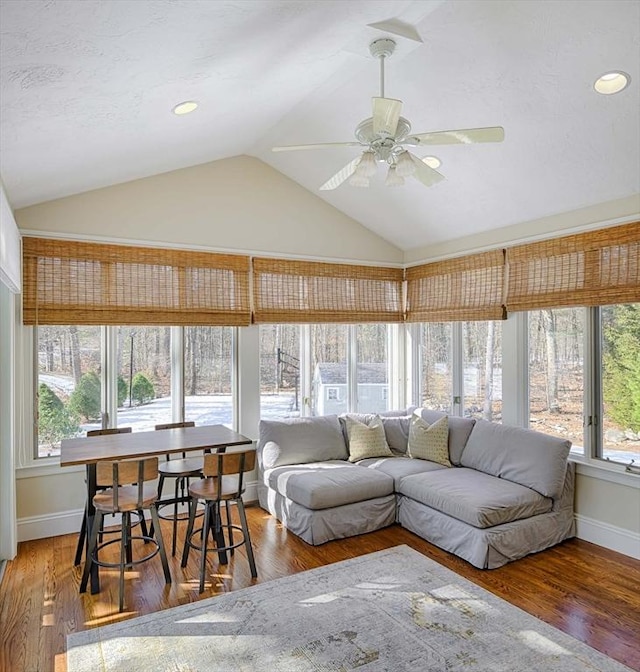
point(87, 89)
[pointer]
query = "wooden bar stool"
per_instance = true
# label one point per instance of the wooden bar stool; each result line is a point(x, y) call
point(83, 528)
point(125, 493)
point(181, 469)
point(224, 482)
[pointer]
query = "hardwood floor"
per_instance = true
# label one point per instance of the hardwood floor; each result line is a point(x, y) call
point(589, 592)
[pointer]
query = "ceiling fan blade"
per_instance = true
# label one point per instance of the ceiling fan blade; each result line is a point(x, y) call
point(322, 145)
point(342, 175)
point(423, 173)
point(462, 136)
point(386, 113)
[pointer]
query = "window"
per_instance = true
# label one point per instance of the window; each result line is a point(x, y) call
point(482, 384)
point(620, 346)
point(69, 388)
point(372, 368)
point(144, 376)
point(90, 377)
point(436, 366)
point(333, 394)
point(556, 373)
point(329, 367)
point(280, 393)
point(461, 368)
point(208, 375)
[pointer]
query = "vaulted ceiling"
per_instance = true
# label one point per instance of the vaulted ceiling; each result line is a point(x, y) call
point(87, 91)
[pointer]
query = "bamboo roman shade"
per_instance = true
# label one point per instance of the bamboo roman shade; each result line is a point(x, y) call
point(587, 269)
point(312, 292)
point(465, 288)
point(71, 282)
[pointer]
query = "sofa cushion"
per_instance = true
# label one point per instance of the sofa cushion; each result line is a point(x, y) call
point(399, 467)
point(300, 440)
point(366, 440)
point(429, 441)
point(459, 431)
point(397, 432)
point(523, 456)
point(323, 485)
point(474, 497)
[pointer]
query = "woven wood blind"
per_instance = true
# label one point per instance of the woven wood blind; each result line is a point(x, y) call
point(69, 282)
point(312, 292)
point(587, 269)
point(465, 288)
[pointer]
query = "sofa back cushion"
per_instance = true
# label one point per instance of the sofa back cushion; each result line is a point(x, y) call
point(523, 456)
point(300, 440)
point(396, 430)
point(459, 431)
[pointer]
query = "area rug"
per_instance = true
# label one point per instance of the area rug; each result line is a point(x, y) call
point(391, 611)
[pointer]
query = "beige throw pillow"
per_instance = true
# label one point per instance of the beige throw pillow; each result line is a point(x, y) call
point(366, 440)
point(429, 442)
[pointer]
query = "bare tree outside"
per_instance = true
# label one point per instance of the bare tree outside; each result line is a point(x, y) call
point(556, 373)
point(436, 365)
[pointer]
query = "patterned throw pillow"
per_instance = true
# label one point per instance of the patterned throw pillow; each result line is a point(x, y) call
point(366, 440)
point(430, 442)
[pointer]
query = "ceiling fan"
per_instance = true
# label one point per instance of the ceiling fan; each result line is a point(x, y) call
point(386, 136)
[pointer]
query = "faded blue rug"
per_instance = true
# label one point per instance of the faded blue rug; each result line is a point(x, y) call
point(391, 611)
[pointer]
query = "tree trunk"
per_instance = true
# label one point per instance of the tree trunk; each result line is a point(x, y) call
point(549, 322)
point(487, 409)
point(76, 364)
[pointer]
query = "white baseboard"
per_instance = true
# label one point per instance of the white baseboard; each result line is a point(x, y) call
point(69, 522)
point(612, 537)
point(49, 525)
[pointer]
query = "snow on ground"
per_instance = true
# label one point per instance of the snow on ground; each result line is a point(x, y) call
point(203, 410)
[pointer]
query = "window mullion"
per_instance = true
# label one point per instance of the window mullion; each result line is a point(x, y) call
point(593, 385)
point(109, 379)
point(306, 372)
point(457, 366)
point(352, 368)
point(177, 374)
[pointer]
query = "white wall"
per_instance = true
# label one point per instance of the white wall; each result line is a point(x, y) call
point(238, 204)
point(595, 216)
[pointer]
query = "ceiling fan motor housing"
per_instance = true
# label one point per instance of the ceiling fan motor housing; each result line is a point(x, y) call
point(382, 48)
point(384, 148)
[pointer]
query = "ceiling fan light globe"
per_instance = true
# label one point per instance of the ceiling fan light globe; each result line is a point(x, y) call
point(367, 166)
point(393, 179)
point(404, 165)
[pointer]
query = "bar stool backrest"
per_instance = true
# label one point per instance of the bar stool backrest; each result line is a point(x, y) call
point(227, 464)
point(111, 430)
point(127, 472)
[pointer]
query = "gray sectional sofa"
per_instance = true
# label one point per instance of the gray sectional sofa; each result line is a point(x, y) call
point(509, 492)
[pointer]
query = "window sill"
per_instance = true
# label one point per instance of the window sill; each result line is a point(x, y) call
point(604, 471)
point(49, 466)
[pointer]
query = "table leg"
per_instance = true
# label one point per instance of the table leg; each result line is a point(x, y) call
point(91, 514)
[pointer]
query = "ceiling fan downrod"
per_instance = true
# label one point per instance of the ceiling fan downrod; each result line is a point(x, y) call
point(381, 49)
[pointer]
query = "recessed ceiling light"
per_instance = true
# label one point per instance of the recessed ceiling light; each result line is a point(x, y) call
point(186, 107)
point(612, 82)
point(432, 161)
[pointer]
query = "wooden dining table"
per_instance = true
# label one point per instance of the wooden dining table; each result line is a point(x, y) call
point(139, 445)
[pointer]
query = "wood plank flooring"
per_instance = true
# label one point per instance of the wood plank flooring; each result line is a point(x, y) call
point(588, 591)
